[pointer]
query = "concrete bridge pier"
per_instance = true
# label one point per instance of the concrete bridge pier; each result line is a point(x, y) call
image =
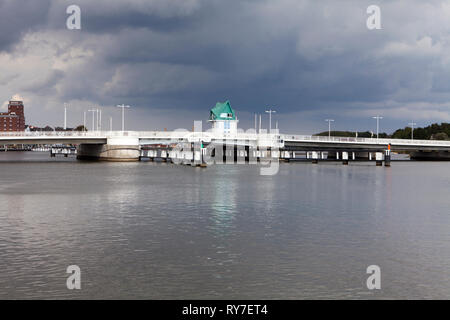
point(250, 155)
point(379, 158)
point(149, 154)
point(285, 156)
point(115, 149)
point(315, 156)
point(188, 153)
point(152, 154)
point(345, 158)
point(164, 155)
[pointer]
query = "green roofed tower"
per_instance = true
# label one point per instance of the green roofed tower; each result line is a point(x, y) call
point(222, 111)
point(223, 118)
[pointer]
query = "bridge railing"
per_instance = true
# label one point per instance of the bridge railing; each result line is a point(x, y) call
point(364, 140)
point(180, 134)
point(52, 133)
point(81, 134)
point(177, 134)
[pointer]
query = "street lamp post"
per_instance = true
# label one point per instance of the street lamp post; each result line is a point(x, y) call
point(93, 118)
point(270, 111)
point(329, 127)
point(259, 124)
point(412, 124)
point(378, 123)
point(123, 114)
point(65, 116)
point(96, 123)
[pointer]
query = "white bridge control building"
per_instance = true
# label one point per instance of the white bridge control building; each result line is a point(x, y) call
point(223, 119)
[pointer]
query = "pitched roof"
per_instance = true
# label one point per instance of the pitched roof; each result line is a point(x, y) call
point(222, 111)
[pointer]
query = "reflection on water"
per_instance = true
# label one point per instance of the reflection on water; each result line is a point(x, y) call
point(223, 206)
point(146, 230)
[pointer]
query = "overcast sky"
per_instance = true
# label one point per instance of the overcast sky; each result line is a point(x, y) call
point(172, 60)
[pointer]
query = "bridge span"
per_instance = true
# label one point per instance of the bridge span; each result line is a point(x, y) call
point(321, 143)
point(126, 145)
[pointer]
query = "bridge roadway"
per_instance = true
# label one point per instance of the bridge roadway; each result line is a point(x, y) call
point(282, 141)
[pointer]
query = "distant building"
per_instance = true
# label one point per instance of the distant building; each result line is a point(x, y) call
point(14, 119)
point(223, 118)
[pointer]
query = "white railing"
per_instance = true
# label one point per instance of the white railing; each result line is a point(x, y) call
point(52, 134)
point(140, 134)
point(379, 141)
point(70, 134)
point(190, 134)
point(207, 136)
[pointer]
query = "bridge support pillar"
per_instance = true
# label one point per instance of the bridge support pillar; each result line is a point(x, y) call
point(164, 155)
point(344, 158)
point(379, 158)
point(315, 156)
point(151, 154)
point(116, 149)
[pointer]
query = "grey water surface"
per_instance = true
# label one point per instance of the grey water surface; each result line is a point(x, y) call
point(160, 231)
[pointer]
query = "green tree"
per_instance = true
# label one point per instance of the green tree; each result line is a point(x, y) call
point(440, 136)
point(80, 128)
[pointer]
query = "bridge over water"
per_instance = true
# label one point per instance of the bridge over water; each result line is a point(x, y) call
point(126, 145)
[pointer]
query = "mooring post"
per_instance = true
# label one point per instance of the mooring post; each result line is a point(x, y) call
point(203, 151)
point(387, 157)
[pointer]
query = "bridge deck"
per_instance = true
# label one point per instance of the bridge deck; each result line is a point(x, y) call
point(294, 142)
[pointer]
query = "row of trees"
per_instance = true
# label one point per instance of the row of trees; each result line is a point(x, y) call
point(48, 128)
point(360, 134)
point(434, 132)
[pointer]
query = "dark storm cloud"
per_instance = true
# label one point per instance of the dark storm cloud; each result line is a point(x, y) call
point(18, 17)
point(300, 56)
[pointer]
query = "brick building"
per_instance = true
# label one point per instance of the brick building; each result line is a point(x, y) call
point(14, 119)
